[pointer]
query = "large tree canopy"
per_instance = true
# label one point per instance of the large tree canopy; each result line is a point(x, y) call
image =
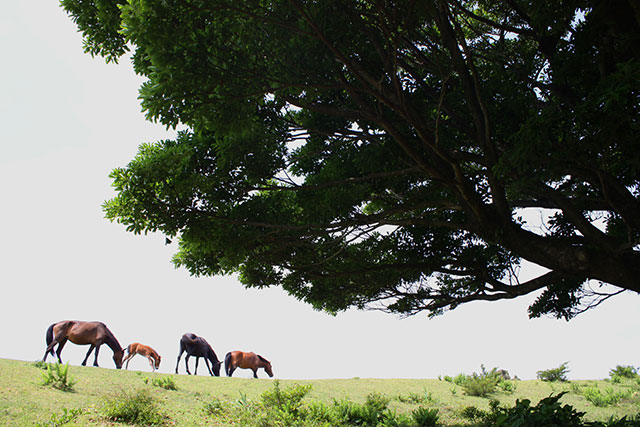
point(382, 154)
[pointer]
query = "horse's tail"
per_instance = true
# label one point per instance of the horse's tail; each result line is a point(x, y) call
point(50, 338)
point(227, 364)
point(127, 348)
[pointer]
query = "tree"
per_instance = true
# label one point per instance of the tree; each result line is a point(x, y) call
point(382, 154)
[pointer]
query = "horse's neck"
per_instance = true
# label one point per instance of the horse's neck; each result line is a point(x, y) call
point(112, 342)
point(211, 355)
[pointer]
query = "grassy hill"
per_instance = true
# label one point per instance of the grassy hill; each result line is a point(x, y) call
point(203, 400)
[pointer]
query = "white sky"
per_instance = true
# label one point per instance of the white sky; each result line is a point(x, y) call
point(68, 119)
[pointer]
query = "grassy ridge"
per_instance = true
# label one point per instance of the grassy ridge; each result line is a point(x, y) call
point(23, 400)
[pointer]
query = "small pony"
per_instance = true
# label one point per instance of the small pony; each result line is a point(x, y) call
point(240, 359)
point(143, 350)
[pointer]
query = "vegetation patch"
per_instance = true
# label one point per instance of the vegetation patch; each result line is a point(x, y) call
point(57, 376)
point(139, 407)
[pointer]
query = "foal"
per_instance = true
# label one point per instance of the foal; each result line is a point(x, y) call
point(143, 350)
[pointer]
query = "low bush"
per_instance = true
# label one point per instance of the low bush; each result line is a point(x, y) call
point(554, 374)
point(58, 377)
point(138, 408)
point(165, 382)
point(623, 372)
point(57, 420)
point(425, 417)
point(608, 398)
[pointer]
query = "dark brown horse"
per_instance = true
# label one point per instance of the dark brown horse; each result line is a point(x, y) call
point(82, 333)
point(240, 359)
point(198, 347)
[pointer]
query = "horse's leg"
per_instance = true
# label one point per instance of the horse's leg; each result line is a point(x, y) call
point(126, 359)
point(179, 355)
point(153, 368)
point(208, 368)
point(231, 369)
point(255, 372)
point(196, 371)
point(49, 349)
point(84, 362)
point(59, 350)
point(95, 360)
point(186, 363)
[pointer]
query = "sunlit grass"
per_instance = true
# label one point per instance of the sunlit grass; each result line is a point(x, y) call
point(23, 399)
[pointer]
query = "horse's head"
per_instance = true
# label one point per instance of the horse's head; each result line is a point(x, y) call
point(268, 369)
point(117, 358)
point(159, 358)
point(216, 367)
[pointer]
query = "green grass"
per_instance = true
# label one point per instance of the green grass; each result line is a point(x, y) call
point(25, 401)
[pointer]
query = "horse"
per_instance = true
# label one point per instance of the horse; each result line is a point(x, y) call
point(143, 350)
point(198, 347)
point(82, 333)
point(240, 359)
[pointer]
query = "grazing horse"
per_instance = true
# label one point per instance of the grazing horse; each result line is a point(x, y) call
point(82, 333)
point(142, 350)
point(198, 347)
point(240, 359)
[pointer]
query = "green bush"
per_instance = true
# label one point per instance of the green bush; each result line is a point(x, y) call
point(548, 412)
point(623, 372)
point(139, 408)
point(57, 420)
point(58, 377)
point(165, 382)
point(608, 398)
point(284, 404)
point(425, 417)
point(555, 374)
point(214, 407)
point(481, 384)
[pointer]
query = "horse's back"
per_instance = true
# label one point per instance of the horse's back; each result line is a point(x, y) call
point(243, 359)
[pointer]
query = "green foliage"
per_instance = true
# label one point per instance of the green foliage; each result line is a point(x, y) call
point(137, 407)
point(286, 402)
point(167, 383)
point(57, 376)
point(548, 412)
point(314, 127)
point(417, 398)
point(425, 417)
point(214, 407)
point(606, 398)
point(554, 374)
point(57, 420)
point(484, 383)
point(623, 371)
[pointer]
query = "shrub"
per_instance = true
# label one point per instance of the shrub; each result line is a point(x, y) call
point(214, 407)
point(609, 397)
point(555, 374)
point(623, 372)
point(165, 382)
point(139, 408)
point(481, 384)
point(548, 412)
point(58, 420)
point(284, 404)
point(472, 413)
point(425, 417)
point(372, 413)
point(58, 377)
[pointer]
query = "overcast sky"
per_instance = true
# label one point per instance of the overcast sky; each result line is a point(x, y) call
point(68, 119)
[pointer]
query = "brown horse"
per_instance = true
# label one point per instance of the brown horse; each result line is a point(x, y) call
point(142, 350)
point(240, 359)
point(82, 333)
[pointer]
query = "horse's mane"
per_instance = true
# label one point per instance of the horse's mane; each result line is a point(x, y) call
point(112, 340)
point(263, 359)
